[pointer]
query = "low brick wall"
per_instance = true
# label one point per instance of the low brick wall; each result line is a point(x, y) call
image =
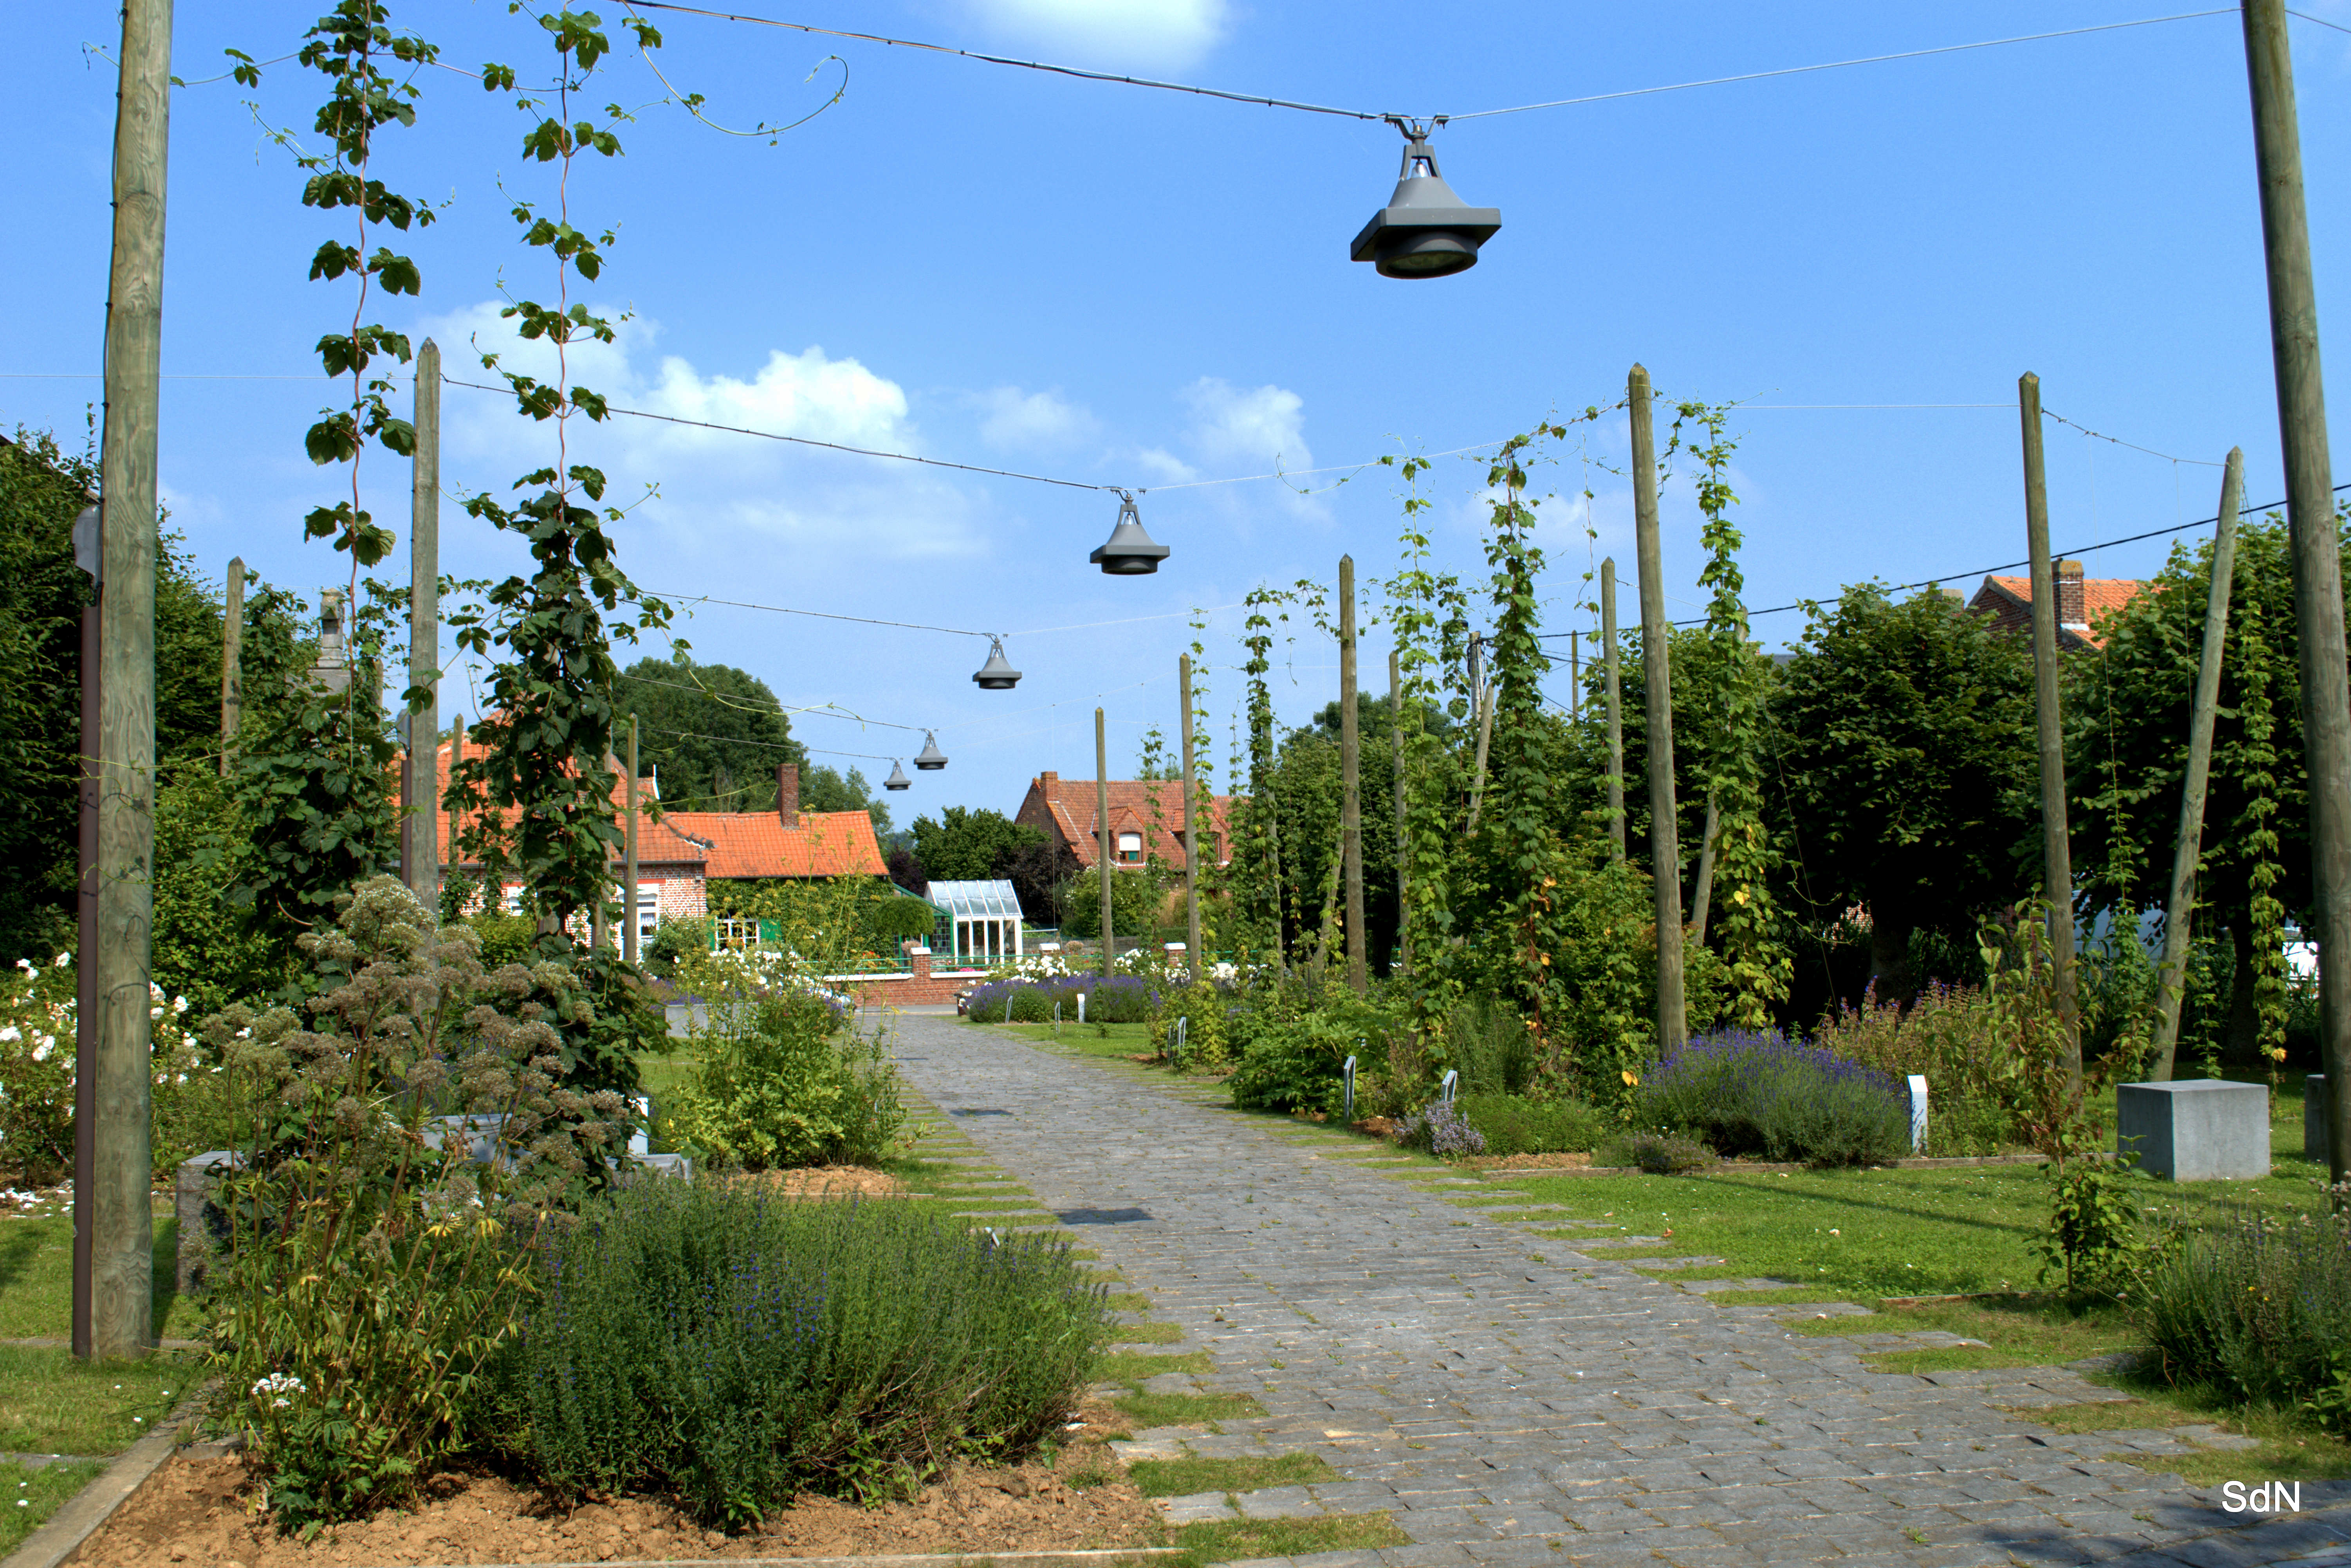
point(922, 987)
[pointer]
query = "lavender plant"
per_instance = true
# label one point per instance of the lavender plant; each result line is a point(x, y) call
point(1758, 1092)
point(1441, 1129)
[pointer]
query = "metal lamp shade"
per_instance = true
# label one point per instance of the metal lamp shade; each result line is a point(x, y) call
point(1424, 231)
point(897, 780)
point(997, 675)
point(1129, 551)
point(930, 759)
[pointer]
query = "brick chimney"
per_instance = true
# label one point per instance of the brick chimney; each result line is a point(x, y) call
point(788, 792)
point(2072, 609)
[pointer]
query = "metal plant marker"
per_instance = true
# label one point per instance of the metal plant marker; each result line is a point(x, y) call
point(1347, 1074)
point(1917, 1112)
point(1082, 1007)
point(1448, 1085)
point(1181, 1023)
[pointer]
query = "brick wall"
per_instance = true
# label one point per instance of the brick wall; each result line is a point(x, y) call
point(924, 988)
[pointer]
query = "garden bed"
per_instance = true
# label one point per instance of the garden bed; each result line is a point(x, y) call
point(204, 1512)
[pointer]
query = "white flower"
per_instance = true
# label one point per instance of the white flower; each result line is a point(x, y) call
point(63, 960)
point(280, 1382)
point(178, 1005)
point(25, 965)
point(155, 1013)
point(12, 1033)
point(41, 1051)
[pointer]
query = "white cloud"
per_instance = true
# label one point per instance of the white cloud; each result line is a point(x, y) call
point(1033, 422)
point(725, 498)
point(1160, 33)
point(1256, 429)
point(1165, 466)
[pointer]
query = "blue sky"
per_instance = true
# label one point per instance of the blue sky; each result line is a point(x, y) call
point(1124, 286)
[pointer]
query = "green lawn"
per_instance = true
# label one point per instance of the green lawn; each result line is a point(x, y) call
point(39, 1493)
point(37, 1280)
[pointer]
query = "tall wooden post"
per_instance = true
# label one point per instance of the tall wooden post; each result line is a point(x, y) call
point(1575, 677)
point(1613, 684)
point(231, 660)
point(2178, 911)
point(629, 856)
point(1351, 800)
point(2317, 566)
point(89, 552)
point(1657, 681)
point(2057, 851)
point(1105, 841)
point(419, 829)
point(1193, 957)
point(1402, 858)
point(122, 1225)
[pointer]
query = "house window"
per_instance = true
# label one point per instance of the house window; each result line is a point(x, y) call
point(648, 909)
point(734, 932)
point(1130, 849)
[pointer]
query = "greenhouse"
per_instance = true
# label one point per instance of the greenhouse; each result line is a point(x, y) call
point(979, 921)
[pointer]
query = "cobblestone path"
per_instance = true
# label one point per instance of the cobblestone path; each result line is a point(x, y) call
point(1515, 1401)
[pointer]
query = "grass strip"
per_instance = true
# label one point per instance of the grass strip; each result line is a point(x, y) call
point(1132, 1367)
point(52, 1403)
point(1148, 1334)
point(39, 1493)
point(1246, 1540)
point(1186, 1410)
point(1182, 1478)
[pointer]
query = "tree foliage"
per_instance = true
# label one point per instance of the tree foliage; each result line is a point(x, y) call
point(713, 734)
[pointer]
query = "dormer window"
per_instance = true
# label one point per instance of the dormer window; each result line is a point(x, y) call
point(1130, 849)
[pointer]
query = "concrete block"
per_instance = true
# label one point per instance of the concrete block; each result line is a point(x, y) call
point(2196, 1129)
point(2314, 1117)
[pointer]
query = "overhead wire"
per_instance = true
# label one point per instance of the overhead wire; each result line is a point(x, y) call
point(820, 710)
point(768, 745)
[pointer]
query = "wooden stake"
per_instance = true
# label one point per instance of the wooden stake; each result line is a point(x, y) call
point(1395, 735)
point(232, 661)
point(1104, 839)
point(1351, 802)
point(1192, 955)
point(1703, 895)
point(1612, 684)
point(457, 800)
point(1658, 684)
point(2178, 911)
point(2056, 850)
point(419, 830)
point(628, 855)
point(1485, 739)
point(122, 1226)
point(85, 1196)
point(1576, 678)
point(2317, 565)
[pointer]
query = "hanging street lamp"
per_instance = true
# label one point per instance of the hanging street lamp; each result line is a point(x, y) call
point(997, 675)
point(897, 780)
point(1423, 230)
point(1129, 551)
point(930, 759)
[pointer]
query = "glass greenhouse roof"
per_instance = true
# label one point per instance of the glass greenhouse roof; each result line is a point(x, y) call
point(976, 900)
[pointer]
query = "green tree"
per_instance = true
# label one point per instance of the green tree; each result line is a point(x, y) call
point(715, 736)
point(824, 788)
point(42, 592)
point(971, 845)
point(1905, 753)
point(2127, 708)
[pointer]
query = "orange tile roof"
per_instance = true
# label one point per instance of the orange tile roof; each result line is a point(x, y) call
point(2008, 601)
point(730, 843)
point(757, 843)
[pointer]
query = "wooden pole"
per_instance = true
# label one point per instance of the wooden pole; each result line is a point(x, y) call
point(1485, 739)
point(1103, 841)
point(1657, 681)
point(2178, 911)
point(2057, 851)
point(1351, 800)
point(2317, 565)
point(457, 802)
point(419, 829)
point(1395, 737)
point(1702, 894)
point(84, 1196)
point(1575, 677)
point(629, 856)
point(123, 1222)
point(231, 660)
point(1612, 684)
point(1192, 863)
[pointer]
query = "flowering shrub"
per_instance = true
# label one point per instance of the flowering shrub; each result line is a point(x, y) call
point(782, 1082)
point(730, 1347)
point(1760, 1093)
point(37, 1075)
point(1441, 1129)
point(1120, 999)
point(2259, 1311)
point(375, 1270)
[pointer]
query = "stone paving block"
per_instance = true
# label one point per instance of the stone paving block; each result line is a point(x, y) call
point(1277, 1502)
point(1195, 1508)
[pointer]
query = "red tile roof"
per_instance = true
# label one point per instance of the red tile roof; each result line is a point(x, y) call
point(1064, 809)
point(2009, 602)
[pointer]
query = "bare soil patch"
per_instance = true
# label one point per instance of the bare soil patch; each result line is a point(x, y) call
point(206, 1513)
point(1527, 1162)
point(828, 1181)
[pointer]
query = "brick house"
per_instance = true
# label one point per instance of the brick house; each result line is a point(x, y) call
point(681, 854)
point(1147, 819)
point(2082, 602)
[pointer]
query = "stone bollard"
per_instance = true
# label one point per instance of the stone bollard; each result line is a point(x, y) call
point(191, 1191)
